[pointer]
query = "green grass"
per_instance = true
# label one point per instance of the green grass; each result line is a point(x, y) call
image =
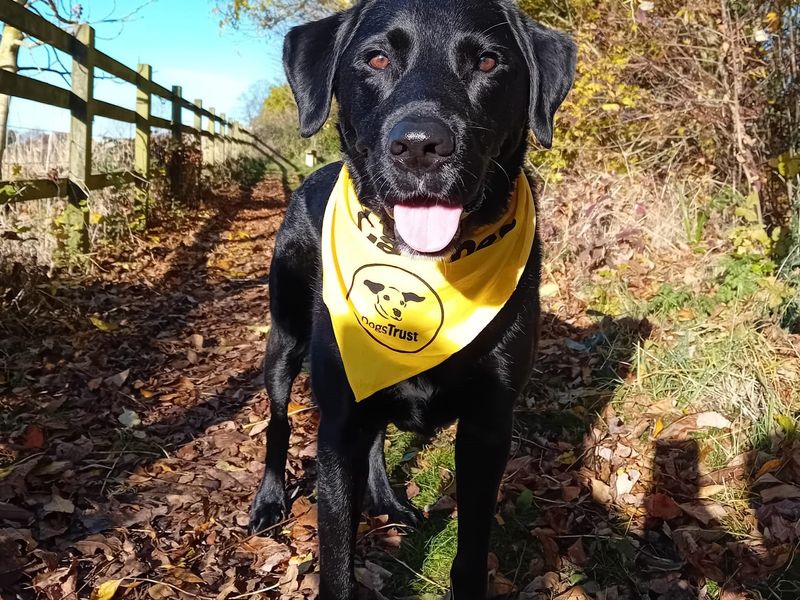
point(434, 474)
point(400, 448)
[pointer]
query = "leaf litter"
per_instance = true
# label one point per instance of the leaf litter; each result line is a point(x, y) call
point(132, 444)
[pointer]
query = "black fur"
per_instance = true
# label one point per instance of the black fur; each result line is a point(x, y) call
point(434, 49)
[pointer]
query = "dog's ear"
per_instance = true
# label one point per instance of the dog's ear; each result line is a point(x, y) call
point(551, 57)
point(375, 288)
point(409, 297)
point(311, 55)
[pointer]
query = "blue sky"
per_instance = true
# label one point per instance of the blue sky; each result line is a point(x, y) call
point(183, 42)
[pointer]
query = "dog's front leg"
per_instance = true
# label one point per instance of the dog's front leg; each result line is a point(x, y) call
point(482, 445)
point(342, 465)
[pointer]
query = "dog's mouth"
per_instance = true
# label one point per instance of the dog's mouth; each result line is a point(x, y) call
point(427, 227)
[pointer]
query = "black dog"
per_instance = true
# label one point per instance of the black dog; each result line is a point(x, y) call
point(435, 103)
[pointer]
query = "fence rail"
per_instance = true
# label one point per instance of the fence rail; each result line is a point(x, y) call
point(227, 138)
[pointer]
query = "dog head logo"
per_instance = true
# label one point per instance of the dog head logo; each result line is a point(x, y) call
point(397, 308)
point(390, 301)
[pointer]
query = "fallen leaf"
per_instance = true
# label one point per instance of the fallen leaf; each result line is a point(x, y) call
point(260, 328)
point(33, 437)
point(185, 575)
point(661, 506)
point(106, 590)
point(118, 379)
point(707, 491)
point(197, 341)
point(576, 593)
point(500, 585)
point(705, 513)
point(102, 325)
point(549, 290)
point(577, 554)
point(601, 492)
point(372, 576)
point(224, 465)
point(412, 490)
point(780, 492)
point(160, 591)
point(769, 467)
point(680, 429)
point(129, 418)
point(58, 504)
point(626, 480)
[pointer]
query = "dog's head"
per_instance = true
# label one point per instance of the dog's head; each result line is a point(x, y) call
point(435, 101)
point(391, 302)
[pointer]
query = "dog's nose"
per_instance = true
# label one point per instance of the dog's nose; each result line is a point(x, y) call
point(421, 144)
point(397, 312)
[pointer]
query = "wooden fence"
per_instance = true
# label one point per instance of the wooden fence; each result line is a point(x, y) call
point(226, 139)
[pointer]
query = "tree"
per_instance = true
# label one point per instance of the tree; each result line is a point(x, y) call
point(270, 14)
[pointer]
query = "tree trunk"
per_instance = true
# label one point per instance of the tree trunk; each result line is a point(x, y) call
point(9, 61)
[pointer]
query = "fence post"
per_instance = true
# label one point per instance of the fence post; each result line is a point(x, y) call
point(80, 146)
point(198, 125)
point(177, 113)
point(176, 155)
point(223, 142)
point(141, 148)
point(237, 141)
point(212, 129)
point(198, 116)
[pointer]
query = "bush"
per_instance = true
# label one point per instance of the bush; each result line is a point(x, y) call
point(277, 125)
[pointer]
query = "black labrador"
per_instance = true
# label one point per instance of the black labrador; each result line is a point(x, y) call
point(435, 100)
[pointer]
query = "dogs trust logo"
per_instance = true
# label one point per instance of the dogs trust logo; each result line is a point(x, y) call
point(398, 309)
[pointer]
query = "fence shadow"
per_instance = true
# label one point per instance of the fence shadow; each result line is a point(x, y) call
point(81, 354)
point(106, 472)
point(671, 542)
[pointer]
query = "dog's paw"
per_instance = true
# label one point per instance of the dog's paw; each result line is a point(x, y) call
point(266, 513)
point(398, 511)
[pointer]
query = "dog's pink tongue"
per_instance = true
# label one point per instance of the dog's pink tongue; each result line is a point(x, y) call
point(427, 228)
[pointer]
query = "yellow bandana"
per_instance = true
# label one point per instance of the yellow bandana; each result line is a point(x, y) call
point(397, 316)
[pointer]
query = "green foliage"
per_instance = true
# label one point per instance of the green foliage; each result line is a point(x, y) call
point(277, 124)
point(71, 234)
point(740, 278)
point(267, 14)
point(246, 171)
point(669, 299)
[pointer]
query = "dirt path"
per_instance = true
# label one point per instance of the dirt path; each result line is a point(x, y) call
point(131, 428)
point(131, 443)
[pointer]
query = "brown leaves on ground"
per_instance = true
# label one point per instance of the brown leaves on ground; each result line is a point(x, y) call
point(128, 459)
point(133, 442)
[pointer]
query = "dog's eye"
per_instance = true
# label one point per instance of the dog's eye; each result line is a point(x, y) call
point(386, 297)
point(380, 62)
point(487, 63)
